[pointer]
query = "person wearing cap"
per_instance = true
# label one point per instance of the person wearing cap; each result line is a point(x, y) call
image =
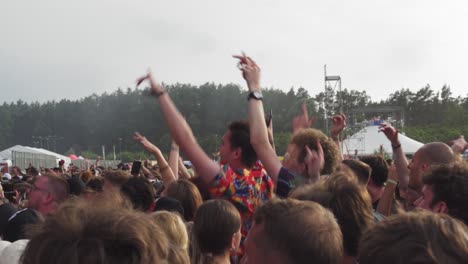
point(6, 175)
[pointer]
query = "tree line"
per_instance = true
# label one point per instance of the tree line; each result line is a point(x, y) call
point(83, 126)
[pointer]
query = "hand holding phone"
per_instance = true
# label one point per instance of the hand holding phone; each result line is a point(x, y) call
point(136, 166)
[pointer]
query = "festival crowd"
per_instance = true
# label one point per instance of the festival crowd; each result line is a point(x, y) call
point(310, 206)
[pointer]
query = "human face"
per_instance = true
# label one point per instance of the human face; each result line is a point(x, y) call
point(425, 200)
point(38, 193)
point(290, 160)
point(225, 150)
point(416, 170)
point(253, 252)
point(15, 171)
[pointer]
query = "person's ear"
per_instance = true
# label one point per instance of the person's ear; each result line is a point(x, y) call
point(237, 153)
point(424, 167)
point(440, 207)
point(235, 241)
point(49, 198)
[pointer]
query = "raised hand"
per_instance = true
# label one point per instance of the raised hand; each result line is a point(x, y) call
point(338, 125)
point(315, 161)
point(156, 88)
point(145, 143)
point(390, 132)
point(302, 121)
point(458, 145)
point(250, 71)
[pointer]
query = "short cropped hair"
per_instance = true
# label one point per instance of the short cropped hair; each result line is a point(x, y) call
point(58, 186)
point(349, 202)
point(449, 183)
point(80, 232)
point(416, 237)
point(240, 138)
point(309, 137)
point(300, 231)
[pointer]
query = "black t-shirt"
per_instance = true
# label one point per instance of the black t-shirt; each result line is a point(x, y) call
point(16, 224)
point(6, 211)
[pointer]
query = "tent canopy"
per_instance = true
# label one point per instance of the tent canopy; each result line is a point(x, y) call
point(7, 153)
point(368, 140)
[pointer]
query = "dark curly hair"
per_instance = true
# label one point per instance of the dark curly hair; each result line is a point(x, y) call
point(240, 138)
point(379, 173)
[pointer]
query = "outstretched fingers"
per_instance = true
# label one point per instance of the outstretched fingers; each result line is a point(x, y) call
point(138, 136)
point(141, 79)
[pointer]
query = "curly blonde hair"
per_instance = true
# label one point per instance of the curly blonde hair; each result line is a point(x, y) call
point(309, 137)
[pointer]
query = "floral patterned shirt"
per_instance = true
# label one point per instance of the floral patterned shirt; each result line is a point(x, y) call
point(246, 189)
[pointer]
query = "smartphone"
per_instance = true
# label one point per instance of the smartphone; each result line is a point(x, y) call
point(136, 167)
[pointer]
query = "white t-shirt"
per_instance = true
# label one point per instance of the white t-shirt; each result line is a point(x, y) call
point(7, 175)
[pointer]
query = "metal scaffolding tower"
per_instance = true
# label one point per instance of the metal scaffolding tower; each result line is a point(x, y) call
point(332, 82)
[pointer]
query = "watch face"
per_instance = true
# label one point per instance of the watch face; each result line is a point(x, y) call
point(256, 95)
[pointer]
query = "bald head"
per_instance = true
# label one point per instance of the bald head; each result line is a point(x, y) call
point(430, 154)
point(436, 153)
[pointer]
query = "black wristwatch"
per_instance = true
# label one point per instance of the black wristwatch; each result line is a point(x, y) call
point(257, 95)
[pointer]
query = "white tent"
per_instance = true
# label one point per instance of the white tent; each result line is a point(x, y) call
point(368, 140)
point(56, 155)
point(7, 153)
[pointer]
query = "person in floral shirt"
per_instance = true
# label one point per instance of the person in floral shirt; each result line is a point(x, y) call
point(242, 180)
point(245, 188)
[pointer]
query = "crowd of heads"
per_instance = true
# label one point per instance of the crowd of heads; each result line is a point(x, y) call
point(248, 207)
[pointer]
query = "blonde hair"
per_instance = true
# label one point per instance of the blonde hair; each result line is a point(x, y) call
point(86, 176)
point(309, 137)
point(173, 227)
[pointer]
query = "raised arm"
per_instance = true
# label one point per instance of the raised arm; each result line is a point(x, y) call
point(271, 137)
point(181, 132)
point(386, 200)
point(258, 128)
point(166, 172)
point(147, 172)
point(184, 174)
point(174, 159)
point(458, 145)
point(338, 125)
point(302, 121)
point(401, 163)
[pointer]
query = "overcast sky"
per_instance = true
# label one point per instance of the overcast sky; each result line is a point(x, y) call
point(71, 49)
